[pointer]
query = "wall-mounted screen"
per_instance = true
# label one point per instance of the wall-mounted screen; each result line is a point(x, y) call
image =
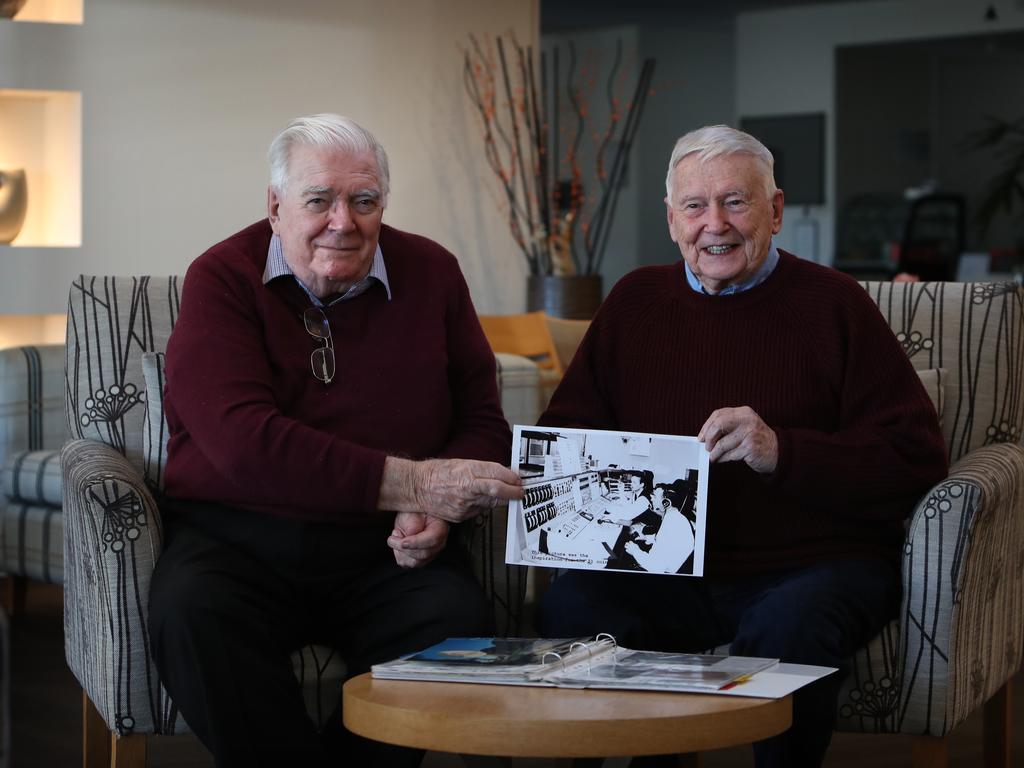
point(798, 144)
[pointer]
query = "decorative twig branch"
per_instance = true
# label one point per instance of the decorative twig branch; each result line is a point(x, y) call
point(542, 191)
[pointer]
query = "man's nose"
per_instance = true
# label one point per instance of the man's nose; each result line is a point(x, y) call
point(341, 217)
point(717, 219)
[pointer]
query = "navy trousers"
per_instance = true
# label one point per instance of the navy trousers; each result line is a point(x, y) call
point(233, 595)
point(819, 615)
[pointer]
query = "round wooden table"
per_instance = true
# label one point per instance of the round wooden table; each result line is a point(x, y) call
point(523, 721)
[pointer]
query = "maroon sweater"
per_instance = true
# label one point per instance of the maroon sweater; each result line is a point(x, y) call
point(250, 426)
point(808, 350)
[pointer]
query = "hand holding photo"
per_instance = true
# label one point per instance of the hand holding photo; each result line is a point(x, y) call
point(598, 499)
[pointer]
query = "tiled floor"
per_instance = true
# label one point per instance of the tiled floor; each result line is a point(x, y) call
point(46, 707)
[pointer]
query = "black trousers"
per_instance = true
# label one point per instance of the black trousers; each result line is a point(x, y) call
point(233, 595)
point(819, 615)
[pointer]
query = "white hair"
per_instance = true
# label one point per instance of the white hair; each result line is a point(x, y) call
point(330, 132)
point(716, 140)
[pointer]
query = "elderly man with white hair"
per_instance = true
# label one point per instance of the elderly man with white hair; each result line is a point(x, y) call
point(820, 435)
point(333, 409)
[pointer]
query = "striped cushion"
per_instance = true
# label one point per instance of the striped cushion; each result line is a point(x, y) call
point(934, 382)
point(154, 436)
point(31, 541)
point(32, 477)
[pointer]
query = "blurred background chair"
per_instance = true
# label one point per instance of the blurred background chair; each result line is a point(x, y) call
point(933, 237)
point(32, 429)
point(526, 335)
point(567, 335)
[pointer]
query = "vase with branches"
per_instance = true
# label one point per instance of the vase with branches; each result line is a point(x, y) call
point(533, 117)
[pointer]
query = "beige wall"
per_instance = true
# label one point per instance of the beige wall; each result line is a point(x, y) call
point(181, 97)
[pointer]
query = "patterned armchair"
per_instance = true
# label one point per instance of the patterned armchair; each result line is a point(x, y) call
point(958, 639)
point(117, 331)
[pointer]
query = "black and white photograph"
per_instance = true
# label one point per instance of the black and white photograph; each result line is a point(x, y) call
point(606, 500)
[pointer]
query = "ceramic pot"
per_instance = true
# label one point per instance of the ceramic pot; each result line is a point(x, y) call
point(9, 8)
point(13, 204)
point(575, 297)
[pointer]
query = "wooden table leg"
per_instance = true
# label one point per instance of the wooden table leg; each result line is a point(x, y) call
point(997, 729)
point(129, 751)
point(95, 736)
point(930, 752)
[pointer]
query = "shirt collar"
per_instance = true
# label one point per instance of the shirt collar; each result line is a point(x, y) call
point(277, 266)
point(756, 279)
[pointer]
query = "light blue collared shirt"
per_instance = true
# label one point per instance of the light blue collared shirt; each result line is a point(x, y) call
point(757, 278)
point(277, 266)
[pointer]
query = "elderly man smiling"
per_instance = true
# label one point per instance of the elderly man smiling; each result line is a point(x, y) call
point(333, 408)
point(820, 435)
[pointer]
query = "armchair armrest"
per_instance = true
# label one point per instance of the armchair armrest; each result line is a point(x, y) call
point(962, 619)
point(112, 537)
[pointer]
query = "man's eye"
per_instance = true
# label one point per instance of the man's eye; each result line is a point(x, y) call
point(736, 203)
point(317, 203)
point(365, 205)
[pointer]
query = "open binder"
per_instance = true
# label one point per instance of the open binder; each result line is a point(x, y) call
point(594, 662)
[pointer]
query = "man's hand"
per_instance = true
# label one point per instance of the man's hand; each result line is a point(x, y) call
point(739, 434)
point(451, 489)
point(417, 538)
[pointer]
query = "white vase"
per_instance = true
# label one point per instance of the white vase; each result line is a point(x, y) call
point(13, 204)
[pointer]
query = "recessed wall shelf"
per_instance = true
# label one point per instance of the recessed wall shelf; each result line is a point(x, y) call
point(54, 11)
point(41, 131)
point(16, 330)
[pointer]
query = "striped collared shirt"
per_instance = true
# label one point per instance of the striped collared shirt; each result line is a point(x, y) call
point(277, 266)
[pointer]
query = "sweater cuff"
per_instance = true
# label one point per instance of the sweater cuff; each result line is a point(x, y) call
point(784, 461)
point(374, 475)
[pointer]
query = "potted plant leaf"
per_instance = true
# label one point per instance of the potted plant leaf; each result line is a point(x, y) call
point(1005, 192)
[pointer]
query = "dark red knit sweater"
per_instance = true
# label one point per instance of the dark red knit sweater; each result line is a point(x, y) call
point(252, 428)
point(859, 441)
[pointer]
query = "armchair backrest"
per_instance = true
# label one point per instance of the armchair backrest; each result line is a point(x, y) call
point(975, 333)
point(112, 322)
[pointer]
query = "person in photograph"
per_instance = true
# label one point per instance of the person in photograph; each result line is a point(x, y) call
point(634, 550)
point(670, 546)
point(820, 436)
point(333, 412)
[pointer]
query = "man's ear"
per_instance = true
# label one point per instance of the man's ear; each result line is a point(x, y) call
point(273, 208)
point(778, 202)
point(669, 217)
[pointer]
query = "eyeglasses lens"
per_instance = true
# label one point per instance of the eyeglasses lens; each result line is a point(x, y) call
point(322, 362)
point(316, 323)
point(322, 358)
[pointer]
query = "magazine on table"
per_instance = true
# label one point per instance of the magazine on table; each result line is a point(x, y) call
point(599, 499)
point(594, 662)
